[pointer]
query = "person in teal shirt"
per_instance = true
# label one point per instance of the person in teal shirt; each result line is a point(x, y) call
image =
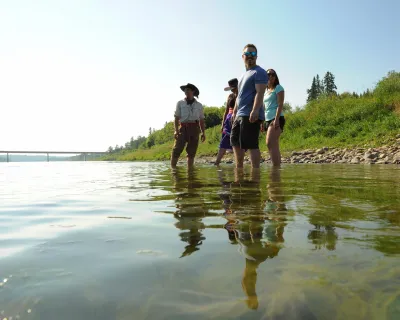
point(274, 117)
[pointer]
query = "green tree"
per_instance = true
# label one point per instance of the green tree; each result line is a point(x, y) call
point(132, 143)
point(110, 149)
point(329, 83)
point(213, 116)
point(319, 86)
point(150, 141)
point(313, 91)
point(366, 93)
point(287, 108)
point(345, 95)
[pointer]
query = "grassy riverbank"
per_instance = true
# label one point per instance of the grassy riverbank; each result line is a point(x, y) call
point(344, 120)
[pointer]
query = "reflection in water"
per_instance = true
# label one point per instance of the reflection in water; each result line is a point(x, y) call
point(190, 208)
point(129, 268)
point(257, 232)
point(323, 236)
point(262, 215)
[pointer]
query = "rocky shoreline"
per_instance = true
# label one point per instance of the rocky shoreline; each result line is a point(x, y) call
point(387, 154)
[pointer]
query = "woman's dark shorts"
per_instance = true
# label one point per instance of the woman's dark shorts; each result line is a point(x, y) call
point(282, 122)
point(245, 134)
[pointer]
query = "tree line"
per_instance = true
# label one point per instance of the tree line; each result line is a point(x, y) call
point(327, 87)
point(212, 117)
point(319, 87)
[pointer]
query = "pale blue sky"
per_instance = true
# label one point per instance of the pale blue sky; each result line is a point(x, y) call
point(89, 74)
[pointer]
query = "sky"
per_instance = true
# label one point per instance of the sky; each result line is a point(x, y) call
point(81, 75)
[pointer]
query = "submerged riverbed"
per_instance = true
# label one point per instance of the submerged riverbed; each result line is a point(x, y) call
point(97, 240)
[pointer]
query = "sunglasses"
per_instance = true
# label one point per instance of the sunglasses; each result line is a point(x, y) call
point(271, 74)
point(248, 54)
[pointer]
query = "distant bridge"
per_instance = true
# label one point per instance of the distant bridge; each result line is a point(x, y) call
point(84, 153)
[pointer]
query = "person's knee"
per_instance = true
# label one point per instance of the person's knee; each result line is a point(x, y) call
point(272, 140)
point(239, 158)
point(270, 144)
point(255, 153)
point(191, 150)
point(238, 152)
point(176, 153)
point(177, 149)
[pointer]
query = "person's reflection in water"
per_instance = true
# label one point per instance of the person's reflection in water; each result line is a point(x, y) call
point(226, 198)
point(190, 209)
point(275, 207)
point(258, 236)
point(323, 236)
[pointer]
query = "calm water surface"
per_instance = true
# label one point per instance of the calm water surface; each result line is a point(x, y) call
point(86, 240)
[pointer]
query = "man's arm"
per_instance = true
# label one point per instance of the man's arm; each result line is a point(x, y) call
point(176, 120)
point(176, 126)
point(202, 125)
point(225, 113)
point(203, 130)
point(235, 109)
point(258, 101)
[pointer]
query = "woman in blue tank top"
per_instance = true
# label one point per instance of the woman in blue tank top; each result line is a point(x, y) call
point(274, 118)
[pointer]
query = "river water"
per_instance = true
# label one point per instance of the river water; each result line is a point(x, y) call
point(109, 240)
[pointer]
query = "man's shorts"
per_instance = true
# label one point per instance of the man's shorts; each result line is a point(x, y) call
point(187, 135)
point(245, 134)
point(282, 122)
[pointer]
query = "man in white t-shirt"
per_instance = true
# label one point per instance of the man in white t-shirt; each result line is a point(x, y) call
point(189, 120)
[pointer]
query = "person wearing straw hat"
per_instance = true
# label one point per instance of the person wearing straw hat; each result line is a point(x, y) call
point(225, 143)
point(189, 120)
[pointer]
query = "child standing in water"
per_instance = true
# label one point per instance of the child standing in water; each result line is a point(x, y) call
point(225, 143)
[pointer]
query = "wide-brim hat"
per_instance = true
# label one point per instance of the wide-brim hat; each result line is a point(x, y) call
point(196, 91)
point(232, 84)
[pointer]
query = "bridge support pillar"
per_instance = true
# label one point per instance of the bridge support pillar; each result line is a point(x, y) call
point(8, 158)
point(84, 157)
point(48, 159)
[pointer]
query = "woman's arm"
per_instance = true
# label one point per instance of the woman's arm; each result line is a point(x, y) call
point(281, 98)
point(226, 111)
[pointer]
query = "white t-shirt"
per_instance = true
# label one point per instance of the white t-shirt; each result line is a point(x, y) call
point(187, 112)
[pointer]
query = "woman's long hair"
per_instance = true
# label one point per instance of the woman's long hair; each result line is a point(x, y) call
point(276, 77)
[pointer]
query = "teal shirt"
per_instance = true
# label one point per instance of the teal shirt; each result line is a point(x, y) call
point(271, 102)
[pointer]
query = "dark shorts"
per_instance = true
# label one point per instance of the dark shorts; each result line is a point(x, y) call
point(281, 123)
point(245, 134)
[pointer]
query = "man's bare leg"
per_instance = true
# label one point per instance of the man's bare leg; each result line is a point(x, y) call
point(255, 157)
point(239, 175)
point(190, 162)
point(174, 161)
point(255, 174)
point(239, 156)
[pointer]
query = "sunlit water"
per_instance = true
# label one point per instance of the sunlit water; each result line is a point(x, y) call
point(94, 240)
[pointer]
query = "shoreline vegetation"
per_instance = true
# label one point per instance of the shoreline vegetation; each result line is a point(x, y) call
point(330, 128)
